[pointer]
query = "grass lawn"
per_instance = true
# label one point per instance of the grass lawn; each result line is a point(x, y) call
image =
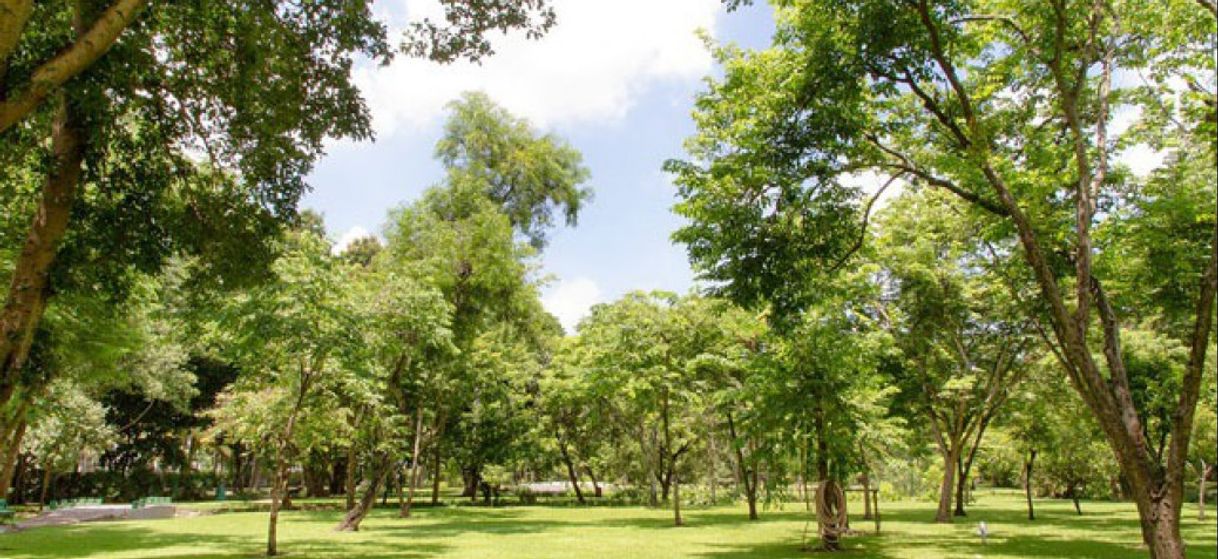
point(1106, 530)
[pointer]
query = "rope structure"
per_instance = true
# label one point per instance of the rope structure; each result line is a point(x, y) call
point(830, 513)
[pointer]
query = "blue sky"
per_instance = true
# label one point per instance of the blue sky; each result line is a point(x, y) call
point(616, 78)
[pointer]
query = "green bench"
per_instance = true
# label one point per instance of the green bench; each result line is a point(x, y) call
point(150, 501)
point(6, 514)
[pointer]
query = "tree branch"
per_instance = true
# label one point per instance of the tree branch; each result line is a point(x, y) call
point(69, 63)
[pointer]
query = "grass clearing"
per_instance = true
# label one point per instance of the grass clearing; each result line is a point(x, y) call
point(1106, 530)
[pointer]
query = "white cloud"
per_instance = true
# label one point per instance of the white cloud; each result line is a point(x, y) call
point(571, 300)
point(590, 67)
point(349, 237)
point(1141, 159)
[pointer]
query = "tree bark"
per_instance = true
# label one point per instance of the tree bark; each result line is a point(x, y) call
point(380, 470)
point(950, 460)
point(279, 485)
point(1205, 474)
point(10, 458)
point(676, 500)
point(46, 484)
point(596, 484)
point(29, 288)
point(961, 482)
point(1027, 482)
point(415, 454)
point(866, 481)
point(743, 471)
point(571, 475)
point(91, 43)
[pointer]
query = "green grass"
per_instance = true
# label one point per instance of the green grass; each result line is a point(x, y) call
point(1107, 530)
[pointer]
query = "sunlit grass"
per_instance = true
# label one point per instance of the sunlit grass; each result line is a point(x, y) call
point(1106, 530)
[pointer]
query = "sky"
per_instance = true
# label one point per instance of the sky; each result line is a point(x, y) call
point(615, 78)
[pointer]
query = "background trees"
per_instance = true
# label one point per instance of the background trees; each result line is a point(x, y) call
point(1010, 109)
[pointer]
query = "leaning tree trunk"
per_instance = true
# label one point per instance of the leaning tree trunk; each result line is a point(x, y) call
point(596, 484)
point(571, 475)
point(29, 288)
point(355, 516)
point(10, 457)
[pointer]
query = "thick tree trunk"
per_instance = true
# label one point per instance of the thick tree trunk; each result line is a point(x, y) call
point(30, 288)
point(950, 460)
point(1027, 482)
point(10, 458)
point(472, 478)
point(1074, 498)
point(435, 473)
point(380, 470)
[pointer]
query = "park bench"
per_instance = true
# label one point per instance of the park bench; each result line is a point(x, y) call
point(6, 514)
point(150, 501)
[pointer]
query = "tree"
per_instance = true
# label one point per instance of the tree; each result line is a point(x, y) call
point(256, 88)
point(294, 337)
point(68, 425)
point(1008, 107)
point(526, 175)
point(964, 342)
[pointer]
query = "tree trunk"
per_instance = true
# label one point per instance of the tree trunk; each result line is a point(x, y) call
point(280, 484)
point(676, 500)
point(1027, 482)
point(712, 467)
point(596, 484)
point(1074, 497)
point(472, 478)
point(10, 458)
point(961, 482)
point(742, 471)
point(29, 288)
point(866, 481)
point(1205, 474)
point(415, 454)
point(350, 482)
point(950, 460)
point(380, 470)
point(435, 474)
point(46, 484)
point(571, 475)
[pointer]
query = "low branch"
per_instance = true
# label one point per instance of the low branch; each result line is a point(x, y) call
point(71, 62)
